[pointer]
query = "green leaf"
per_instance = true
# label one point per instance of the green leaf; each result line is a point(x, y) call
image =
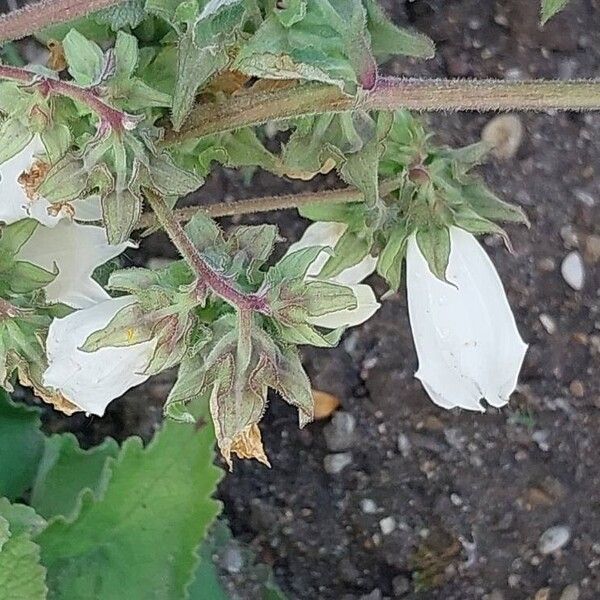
point(84, 57)
point(330, 44)
point(22, 577)
point(434, 244)
point(139, 539)
point(121, 211)
point(65, 470)
point(21, 446)
point(389, 263)
point(350, 249)
point(126, 54)
point(125, 14)
point(203, 49)
point(550, 8)
point(14, 136)
point(387, 39)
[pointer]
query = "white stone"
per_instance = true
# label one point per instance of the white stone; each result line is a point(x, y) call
point(573, 270)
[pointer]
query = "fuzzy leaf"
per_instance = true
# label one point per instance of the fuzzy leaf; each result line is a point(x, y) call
point(14, 136)
point(388, 39)
point(434, 244)
point(84, 57)
point(120, 210)
point(121, 545)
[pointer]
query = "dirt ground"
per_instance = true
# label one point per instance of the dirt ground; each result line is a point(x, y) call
point(436, 504)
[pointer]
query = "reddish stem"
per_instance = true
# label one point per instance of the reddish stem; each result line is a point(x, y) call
point(219, 284)
point(116, 119)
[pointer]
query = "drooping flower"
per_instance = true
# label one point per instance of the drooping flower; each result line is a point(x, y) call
point(327, 234)
point(465, 334)
point(19, 178)
point(91, 380)
point(75, 251)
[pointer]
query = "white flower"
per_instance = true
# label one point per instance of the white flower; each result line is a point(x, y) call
point(75, 251)
point(91, 380)
point(465, 334)
point(327, 234)
point(18, 178)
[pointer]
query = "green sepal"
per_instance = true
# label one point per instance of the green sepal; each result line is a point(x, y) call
point(85, 58)
point(434, 244)
point(14, 136)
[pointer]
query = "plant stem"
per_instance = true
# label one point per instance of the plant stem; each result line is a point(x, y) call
point(270, 203)
point(109, 116)
point(32, 18)
point(389, 93)
point(208, 277)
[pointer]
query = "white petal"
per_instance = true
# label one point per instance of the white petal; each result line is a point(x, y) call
point(15, 204)
point(367, 307)
point(76, 250)
point(465, 334)
point(91, 380)
point(325, 234)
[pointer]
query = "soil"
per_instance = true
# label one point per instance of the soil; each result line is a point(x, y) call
point(444, 504)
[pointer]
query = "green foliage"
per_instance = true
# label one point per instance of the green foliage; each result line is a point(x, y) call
point(550, 8)
point(120, 520)
point(435, 190)
point(21, 447)
point(121, 544)
point(22, 577)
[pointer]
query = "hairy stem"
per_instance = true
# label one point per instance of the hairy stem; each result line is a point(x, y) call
point(32, 18)
point(208, 277)
point(389, 93)
point(270, 203)
point(109, 116)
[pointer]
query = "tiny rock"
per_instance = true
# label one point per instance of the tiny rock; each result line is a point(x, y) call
point(504, 134)
point(571, 592)
point(387, 525)
point(336, 463)
point(368, 506)
point(573, 270)
point(553, 539)
point(542, 594)
point(592, 248)
point(232, 560)
point(548, 323)
point(340, 433)
point(577, 389)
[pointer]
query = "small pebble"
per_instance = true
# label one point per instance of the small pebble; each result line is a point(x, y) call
point(577, 389)
point(569, 236)
point(340, 433)
point(495, 595)
point(571, 592)
point(553, 539)
point(542, 594)
point(573, 270)
point(404, 445)
point(336, 463)
point(374, 595)
point(548, 323)
point(504, 134)
point(547, 265)
point(232, 559)
point(368, 506)
point(387, 525)
point(592, 248)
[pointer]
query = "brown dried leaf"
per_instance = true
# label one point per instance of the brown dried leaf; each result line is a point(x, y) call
point(325, 404)
point(248, 444)
point(57, 60)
